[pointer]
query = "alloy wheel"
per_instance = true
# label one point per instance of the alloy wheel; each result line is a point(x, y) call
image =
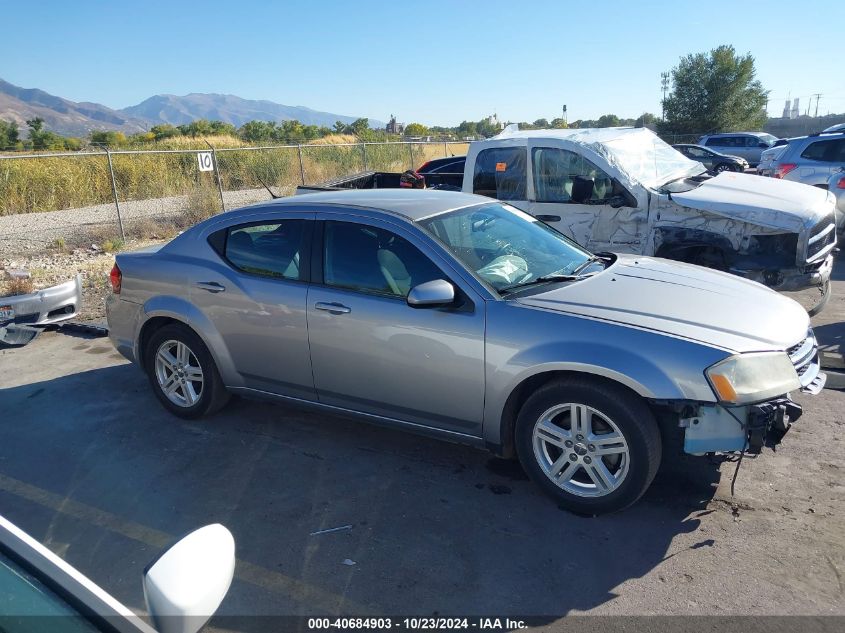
point(178, 373)
point(581, 450)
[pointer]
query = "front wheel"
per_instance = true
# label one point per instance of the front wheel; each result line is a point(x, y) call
point(592, 445)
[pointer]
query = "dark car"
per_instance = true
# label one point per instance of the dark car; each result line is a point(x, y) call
point(712, 160)
point(448, 165)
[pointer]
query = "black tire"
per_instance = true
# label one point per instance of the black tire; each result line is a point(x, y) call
point(213, 395)
point(629, 414)
point(722, 167)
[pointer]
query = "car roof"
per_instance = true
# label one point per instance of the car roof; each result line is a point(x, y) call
point(578, 135)
point(736, 133)
point(413, 204)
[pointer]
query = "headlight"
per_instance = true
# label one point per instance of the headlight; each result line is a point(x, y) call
point(747, 378)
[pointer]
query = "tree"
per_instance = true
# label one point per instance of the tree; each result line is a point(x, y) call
point(165, 130)
point(541, 124)
point(646, 119)
point(559, 123)
point(257, 131)
point(715, 92)
point(8, 135)
point(416, 129)
point(608, 120)
point(108, 138)
point(359, 126)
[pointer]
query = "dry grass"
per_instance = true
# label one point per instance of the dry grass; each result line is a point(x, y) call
point(202, 203)
point(13, 287)
point(48, 184)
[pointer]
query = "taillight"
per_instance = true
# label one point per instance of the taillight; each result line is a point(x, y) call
point(424, 165)
point(783, 169)
point(841, 183)
point(116, 277)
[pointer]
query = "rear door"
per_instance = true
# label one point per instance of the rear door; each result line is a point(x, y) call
point(256, 299)
point(608, 220)
point(371, 351)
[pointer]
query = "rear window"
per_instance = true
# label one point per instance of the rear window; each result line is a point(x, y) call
point(830, 151)
point(269, 250)
point(500, 173)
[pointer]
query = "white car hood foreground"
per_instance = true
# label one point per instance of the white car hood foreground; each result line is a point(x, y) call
point(770, 202)
point(689, 301)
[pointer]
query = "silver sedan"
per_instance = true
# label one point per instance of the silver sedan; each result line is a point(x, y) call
point(464, 318)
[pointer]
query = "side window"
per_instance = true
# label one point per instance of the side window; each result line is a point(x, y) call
point(270, 250)
point(695, 152)
point(368, 259)
point(555, 169)
point(831, 151)
point(500, 173)
point(720, 141)
point(753, 141)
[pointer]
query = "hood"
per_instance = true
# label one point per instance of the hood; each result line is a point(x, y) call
point(683, 300)
point(769, 202)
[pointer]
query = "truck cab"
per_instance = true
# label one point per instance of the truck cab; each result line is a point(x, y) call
point(625, 190)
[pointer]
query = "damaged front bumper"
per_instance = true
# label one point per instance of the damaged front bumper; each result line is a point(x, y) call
point(719, 429)
point(44, 307)
point(814, 275)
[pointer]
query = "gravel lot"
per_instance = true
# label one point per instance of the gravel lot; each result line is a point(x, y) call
point(91, 465)
point(32, 233)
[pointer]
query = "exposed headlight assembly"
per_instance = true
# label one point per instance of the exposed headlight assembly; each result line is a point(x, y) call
point(748, 378)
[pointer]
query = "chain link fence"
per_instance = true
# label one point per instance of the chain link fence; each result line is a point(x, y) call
point(54, 200)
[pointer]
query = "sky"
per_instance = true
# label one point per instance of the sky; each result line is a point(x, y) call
point(433, 62)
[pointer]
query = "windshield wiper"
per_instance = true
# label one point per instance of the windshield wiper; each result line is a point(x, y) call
point(591, 260)
point(541, 280)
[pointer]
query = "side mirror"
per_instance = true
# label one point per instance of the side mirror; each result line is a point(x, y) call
point(186, 584)
point(438, 292)
point(582, 189)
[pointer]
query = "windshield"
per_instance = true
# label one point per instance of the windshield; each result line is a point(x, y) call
point(504, 246)
point(649, 160)
point(768, 139)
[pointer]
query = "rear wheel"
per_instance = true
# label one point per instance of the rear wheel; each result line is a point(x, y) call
point(591, 445)
point(723, 167)
point(182, 373)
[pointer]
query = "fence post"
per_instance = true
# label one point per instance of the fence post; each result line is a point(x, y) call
point(301, 166)
point(445, 150)
point(411, 155)
point(217, 175)
point(114, 193)
point(364, 155)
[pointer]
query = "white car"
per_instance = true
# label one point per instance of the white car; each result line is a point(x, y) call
point(183, 587)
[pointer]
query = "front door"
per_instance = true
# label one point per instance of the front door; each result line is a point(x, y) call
point(372, 352)
point(604, 221)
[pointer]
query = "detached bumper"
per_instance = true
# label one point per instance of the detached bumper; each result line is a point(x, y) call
point(44, 307)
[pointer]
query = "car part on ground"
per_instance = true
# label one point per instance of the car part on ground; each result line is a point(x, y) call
point(183, 587)
point(43, 307)
point(447, 314)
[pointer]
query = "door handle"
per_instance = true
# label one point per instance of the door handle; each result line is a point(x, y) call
point(333, 308)
point(548, 218)
point(211, 286)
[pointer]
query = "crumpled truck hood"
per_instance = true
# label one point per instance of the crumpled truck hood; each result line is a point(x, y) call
point(683, 300)
point(769, 202)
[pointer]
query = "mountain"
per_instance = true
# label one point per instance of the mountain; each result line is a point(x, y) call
point(78, 119)
point(229, 108)
point(61, 115)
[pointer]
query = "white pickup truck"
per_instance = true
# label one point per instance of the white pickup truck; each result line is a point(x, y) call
point(624, 190)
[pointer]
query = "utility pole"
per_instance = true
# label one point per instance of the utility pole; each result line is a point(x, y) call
point(818, 96)
point(664, 86)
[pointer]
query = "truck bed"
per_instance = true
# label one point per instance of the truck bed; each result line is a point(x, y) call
point(382, 180)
